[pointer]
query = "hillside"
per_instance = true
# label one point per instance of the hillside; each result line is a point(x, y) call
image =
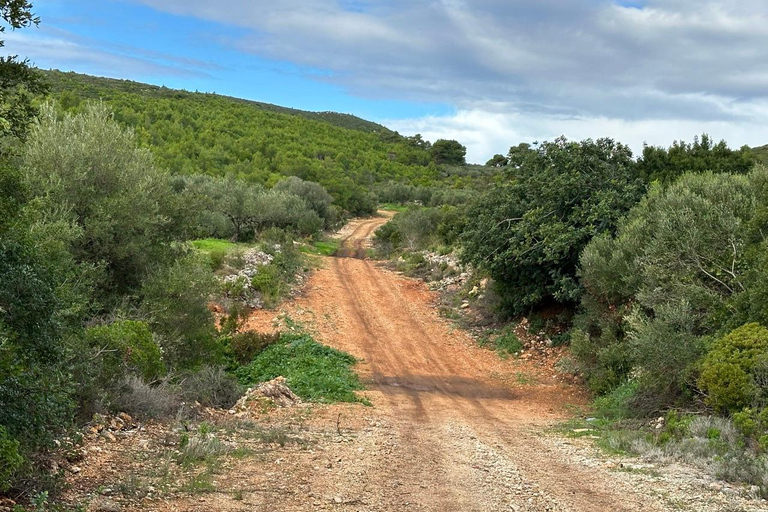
point(761, 152)
point(197, 133)
point(94, 87)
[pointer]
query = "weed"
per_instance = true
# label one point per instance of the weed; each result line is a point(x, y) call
point(199, 483)
point(201, 448)
point(313, 371)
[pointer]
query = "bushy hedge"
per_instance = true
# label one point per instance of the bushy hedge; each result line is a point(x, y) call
point(669, 281)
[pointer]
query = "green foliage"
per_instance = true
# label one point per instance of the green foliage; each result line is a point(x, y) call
point(667, 165)
point(313, 371)
point(191, 133)
point(507, 342)
point(420, 228)
point(656, 290)
point(128, 347)
point(529, 232)
point(244, 346)
point(175, 302)
point(727, 369)
point(10, 458)
point(91, 184)
point(448, 152)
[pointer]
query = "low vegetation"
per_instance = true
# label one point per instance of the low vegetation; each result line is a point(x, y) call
point(313, 371)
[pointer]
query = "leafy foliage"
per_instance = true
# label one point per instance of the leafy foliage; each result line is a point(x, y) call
point(663, 283)
point(703, 155)
point(727, 371)
point(313, 371)
point(528, 233)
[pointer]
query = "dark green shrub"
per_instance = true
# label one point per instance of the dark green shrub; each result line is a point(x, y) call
point(528, 233)
point(726, 370)
point(244, 346)
point(127, 347)
point(10, 459)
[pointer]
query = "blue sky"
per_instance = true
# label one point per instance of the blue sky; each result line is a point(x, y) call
point(489, 73)
point(190, 53)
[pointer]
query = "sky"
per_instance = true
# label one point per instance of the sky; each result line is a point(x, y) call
point(488, 73)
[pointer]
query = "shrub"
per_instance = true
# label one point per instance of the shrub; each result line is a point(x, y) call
point(10, 458)
point(529, 232)
point(244, 346)
point(142, 400)
point(656, 291)
point(126, 346)
point(726, 370)
point(211, 386)
point(175, 303)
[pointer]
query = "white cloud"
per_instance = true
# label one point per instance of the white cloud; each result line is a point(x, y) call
point(61, 49)
point(486, 133)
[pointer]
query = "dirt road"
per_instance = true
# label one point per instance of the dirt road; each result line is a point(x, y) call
point(453, 427)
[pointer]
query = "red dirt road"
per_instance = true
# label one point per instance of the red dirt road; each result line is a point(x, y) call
point(463, 419)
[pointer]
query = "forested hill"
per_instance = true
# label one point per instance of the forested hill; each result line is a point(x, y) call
point(94, 87)
point(197, 133)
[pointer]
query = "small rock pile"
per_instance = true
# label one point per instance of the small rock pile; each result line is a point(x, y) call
point(253, 261)
point(457, 274)
point(265, 396)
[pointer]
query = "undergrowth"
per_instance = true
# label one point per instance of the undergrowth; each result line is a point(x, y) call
point(313, 371)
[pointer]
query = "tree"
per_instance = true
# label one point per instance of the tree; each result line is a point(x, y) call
point(667, 165)
point(449, 152)
point(85, 171)
point(665, 281)
point(18, 83)
point(528, 232)
point(497, 161)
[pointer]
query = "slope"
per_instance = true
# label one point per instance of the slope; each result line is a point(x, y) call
point(194, 133)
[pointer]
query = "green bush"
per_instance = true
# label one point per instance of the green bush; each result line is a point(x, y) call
point(726, 370)
point(528, 233)
point(656, 291)
point(127, 347)
point(313, 371)
point(175, 302)
point(244, 346)
point(10, 459)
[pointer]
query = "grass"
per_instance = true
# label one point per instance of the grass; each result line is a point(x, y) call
point(392, 207)
point(214, 245)
point(326, 247)
point(313, 371)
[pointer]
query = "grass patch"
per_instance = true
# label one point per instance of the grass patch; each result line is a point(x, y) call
point(323, 247)
point(214, 244)
point(392, 207)
point(313, 371)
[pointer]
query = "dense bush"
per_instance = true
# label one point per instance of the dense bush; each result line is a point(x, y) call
point(421, 228)
point(175, 303)
point(665, 282)
point(529, 232)
point(728, 369)
point(85, 170)
point(126, 347)
point(666, 165)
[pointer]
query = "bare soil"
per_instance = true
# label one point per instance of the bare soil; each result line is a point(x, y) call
point(452, 427)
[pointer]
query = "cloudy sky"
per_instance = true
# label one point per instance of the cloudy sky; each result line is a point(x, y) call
point(489, 73)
